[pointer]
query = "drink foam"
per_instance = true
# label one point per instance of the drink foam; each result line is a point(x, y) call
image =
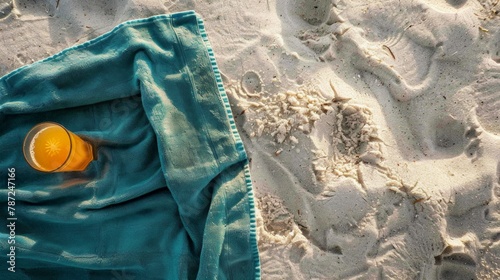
point(32, 146)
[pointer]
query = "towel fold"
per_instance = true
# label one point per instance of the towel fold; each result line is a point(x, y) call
point(169, 195)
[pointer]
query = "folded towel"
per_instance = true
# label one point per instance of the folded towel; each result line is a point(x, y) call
point(169, 196)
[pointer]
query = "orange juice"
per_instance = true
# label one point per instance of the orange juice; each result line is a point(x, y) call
point(50, 147)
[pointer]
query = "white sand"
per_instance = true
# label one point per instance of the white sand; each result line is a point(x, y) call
point(373, 126)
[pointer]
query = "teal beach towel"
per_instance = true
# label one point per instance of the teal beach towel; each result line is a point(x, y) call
point(169, 195)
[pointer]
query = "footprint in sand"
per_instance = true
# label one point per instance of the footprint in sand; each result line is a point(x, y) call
point(406, 49)
point(456, 3)
point(457, 266)
point(313, 12)
point(474, 206)
point(251, 82)
point(486, 91)
point(22, 59)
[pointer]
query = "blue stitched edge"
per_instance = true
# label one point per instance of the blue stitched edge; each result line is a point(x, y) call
point(239, 146)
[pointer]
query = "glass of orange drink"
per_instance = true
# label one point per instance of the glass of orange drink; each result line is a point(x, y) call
point(49, 147)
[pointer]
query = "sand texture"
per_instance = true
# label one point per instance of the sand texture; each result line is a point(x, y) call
point(372, 126)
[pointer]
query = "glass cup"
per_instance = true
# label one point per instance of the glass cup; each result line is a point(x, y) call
point(49, 147)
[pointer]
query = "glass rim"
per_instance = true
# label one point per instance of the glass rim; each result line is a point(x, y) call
point(30, 132)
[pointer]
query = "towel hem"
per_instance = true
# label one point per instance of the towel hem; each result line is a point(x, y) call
point(239, 146)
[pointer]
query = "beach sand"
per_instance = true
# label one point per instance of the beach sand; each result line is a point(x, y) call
point(372, 126)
